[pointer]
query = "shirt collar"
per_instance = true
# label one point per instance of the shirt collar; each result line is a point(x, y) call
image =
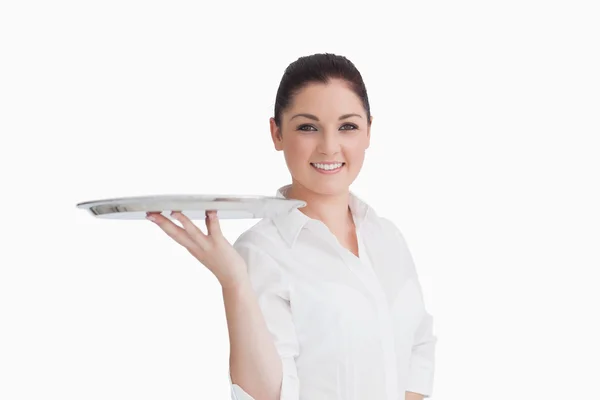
point(290, 224)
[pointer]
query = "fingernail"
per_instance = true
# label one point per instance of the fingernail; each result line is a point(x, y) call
point(151, 218)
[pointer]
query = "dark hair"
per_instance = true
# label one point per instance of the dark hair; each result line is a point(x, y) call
point(318, 68)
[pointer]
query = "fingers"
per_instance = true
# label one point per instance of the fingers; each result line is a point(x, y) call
point(175, 232)
point(192, 230)
point(212, 223)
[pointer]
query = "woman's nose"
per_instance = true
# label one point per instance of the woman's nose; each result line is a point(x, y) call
point(329, 143)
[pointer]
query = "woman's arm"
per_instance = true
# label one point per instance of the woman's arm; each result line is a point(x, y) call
point(413, 396)
point(256, 306)
point(262, 334)
point(254, 362)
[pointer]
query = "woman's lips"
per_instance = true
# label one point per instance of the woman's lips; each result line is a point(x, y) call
point(328, 168)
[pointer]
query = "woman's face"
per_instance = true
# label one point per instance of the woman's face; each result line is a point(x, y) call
point(323, 134)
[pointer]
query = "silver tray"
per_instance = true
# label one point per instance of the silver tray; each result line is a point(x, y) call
point(193, 206)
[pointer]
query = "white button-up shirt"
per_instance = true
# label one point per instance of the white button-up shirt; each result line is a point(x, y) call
point(345, 327)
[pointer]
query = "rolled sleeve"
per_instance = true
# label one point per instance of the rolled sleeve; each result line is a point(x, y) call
point(272, 291)
point(422, 359)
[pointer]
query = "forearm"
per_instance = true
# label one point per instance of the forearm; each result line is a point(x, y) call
point(254, 362)
point(413, 396)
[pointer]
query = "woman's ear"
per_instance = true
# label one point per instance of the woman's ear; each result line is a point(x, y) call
point(276, 134)
point(369, 132)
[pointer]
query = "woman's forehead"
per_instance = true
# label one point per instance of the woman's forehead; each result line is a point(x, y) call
point(326, 98)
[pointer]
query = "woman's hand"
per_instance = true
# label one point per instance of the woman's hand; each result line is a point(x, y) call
point(212, 249)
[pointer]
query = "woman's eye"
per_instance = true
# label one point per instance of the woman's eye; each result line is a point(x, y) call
point(345, 127)
point(306, 128)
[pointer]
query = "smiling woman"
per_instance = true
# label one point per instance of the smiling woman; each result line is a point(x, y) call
point(323, 302)
point(322, 124)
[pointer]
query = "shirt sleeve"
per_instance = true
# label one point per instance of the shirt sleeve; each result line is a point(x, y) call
point(421, 369)
point(272, 291)
point(422, 359)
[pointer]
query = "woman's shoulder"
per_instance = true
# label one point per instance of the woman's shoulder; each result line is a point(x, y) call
point(389, 227)
point(263, 250)
point(263, 235)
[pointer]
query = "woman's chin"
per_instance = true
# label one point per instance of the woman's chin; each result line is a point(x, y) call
point(330, 188)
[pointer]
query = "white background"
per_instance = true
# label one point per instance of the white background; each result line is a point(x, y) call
point(484, 153)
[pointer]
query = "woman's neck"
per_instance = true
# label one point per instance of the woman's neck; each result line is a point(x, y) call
point(333, 210)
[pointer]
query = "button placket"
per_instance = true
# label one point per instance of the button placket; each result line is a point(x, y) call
point(384, 316)
point(369, 279)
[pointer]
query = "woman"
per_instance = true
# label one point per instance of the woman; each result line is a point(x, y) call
point(323, 302)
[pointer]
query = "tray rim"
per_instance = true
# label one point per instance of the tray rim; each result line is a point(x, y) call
point(184, 198)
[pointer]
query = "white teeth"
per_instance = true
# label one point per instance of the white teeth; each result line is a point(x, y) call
point(328, 167)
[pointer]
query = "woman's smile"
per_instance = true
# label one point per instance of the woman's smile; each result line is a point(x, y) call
point(328, 167)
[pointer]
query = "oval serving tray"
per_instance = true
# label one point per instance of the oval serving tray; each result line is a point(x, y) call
point(193, 206)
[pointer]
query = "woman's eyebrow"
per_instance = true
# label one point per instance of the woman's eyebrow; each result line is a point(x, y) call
point(313, 117)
